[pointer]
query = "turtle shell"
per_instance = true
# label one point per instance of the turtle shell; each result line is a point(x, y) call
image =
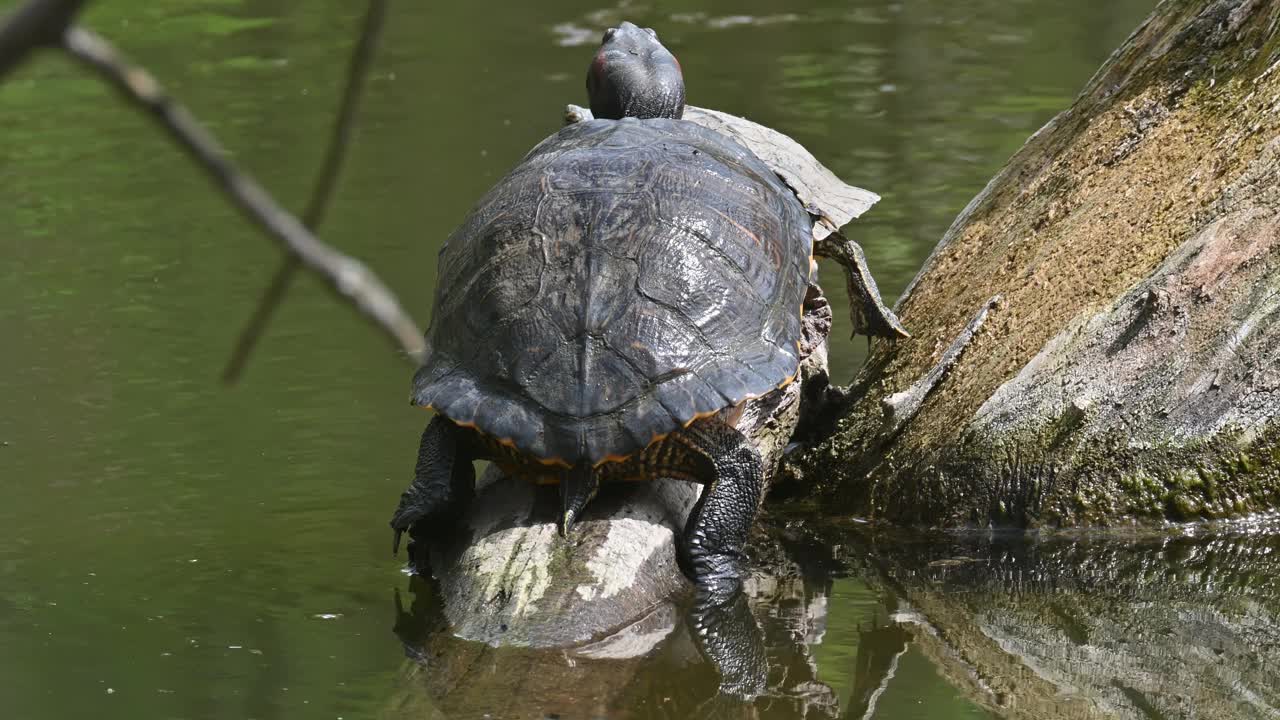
point(625, 279)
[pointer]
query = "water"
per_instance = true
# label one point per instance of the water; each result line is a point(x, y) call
point(175, 549)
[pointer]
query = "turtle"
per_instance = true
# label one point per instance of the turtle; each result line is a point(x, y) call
point(605, 310)
point(829, 201)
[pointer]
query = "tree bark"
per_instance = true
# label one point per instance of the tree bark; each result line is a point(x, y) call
point(1130, 371)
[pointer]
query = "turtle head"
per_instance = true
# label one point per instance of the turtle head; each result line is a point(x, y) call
point(633, 75)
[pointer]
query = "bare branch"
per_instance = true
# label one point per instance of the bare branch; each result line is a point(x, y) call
point(39, 23)
point(357, 71)
point(347, 276)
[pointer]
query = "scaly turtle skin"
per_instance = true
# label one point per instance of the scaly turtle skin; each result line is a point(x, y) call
point(605, 309)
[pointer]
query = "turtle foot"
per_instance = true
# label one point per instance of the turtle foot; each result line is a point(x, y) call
point(869, 314)
point(427, 524)
point(443, 484)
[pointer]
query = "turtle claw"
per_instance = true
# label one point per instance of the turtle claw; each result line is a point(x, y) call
point(869, 314)
point(422, 527)
point(406, 515)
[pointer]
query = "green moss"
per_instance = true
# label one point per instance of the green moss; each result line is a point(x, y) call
point(1214, 98)
point(1267, 55)
point(559, 559)
point(1183, 506)
point(1186, 479)
point(1247, 465)
point(1101, 482)
point(1201, 97)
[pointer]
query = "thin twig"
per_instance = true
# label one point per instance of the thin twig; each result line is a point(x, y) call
point(347, 276)
point(38, 23)
point(326, 180)
point(901, 407)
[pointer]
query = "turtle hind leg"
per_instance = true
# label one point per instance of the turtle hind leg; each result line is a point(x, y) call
point(718, 525)
point(712, 552)
point(443, 484)
point(871, 317)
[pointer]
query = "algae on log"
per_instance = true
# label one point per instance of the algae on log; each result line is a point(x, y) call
point(1131, 371)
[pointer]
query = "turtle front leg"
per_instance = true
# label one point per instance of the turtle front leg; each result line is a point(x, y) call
point(443, 484)
point(869, 314)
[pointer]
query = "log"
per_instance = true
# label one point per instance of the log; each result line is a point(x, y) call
point(1131, 371)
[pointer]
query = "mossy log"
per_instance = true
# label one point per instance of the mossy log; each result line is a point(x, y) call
point(1128, 369)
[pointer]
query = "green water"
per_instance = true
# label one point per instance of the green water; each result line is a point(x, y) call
point(171, 548)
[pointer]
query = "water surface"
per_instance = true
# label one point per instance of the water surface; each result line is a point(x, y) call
point(172, 548)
